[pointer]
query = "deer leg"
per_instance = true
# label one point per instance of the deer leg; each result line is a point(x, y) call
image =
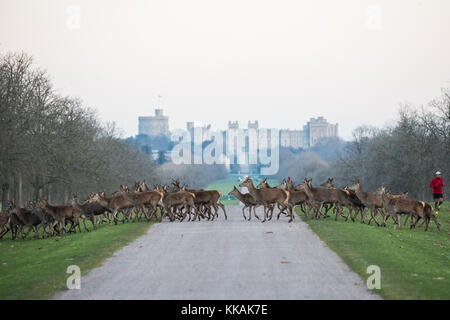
point(399, 221)
point(254, 212)
point(94, 225)
point(36, 232)
point(373, 212)
point(243, 212)
point(22, 229)
point(435, 221)
point(318, 211)
point(265, 214)
point(4, 231)
point(84, 223)
point(350, 211)
point(291, 214)
point(406, 219)
point(220, 204)
point(338, 212)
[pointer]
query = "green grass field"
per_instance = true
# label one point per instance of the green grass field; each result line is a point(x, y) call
point(227, 185)
point(36, 269)
point(414, 264)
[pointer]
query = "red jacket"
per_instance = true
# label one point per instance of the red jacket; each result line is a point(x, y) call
point(437, 184)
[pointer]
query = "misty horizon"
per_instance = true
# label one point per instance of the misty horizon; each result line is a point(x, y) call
point(278, 62)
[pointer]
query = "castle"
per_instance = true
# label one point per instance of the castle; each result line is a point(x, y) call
point(158, 125)
point(313, 131)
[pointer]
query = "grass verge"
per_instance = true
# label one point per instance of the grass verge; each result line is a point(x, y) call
point(36, 269)
point(414, 264)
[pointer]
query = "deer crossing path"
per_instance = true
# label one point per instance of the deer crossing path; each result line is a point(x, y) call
point(232, 259)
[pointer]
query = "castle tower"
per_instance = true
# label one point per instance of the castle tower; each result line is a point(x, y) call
point(154, 126)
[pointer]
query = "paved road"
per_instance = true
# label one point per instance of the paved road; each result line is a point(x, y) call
point(233, 259)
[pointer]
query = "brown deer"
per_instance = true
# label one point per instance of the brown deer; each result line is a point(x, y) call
point(328, 185)
point(46, 219)
point(207, 198)
point(371, 200)
point(28, 219)
point(113, 203)
point(247, 200)
point(294, 200)
point(173, 200)
point(90, 210)
point(269, 196)
point(4, 223)
point(145, 199)
point(403, 195)
point(321, 196)
point(14, 223)
point(358, 206)
point(399, 206)
point(61, 214)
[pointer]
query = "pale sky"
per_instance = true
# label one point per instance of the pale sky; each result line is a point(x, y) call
point(279, 61)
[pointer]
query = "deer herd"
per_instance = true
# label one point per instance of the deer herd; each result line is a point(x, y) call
point(321, 200)
point(178, 203)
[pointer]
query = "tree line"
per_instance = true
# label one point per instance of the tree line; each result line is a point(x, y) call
point(52, 145)
point(403, 156)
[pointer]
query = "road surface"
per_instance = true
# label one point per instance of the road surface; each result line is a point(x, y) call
point(233, 259)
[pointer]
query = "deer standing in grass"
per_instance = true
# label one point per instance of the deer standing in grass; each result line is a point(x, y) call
point(113, 203)
point(90, 210)
point(321, 196)
point(61, 214)
point(28, 218)
point(371, 200)
point(4, 223)
point(268, 197)
point(399, 206)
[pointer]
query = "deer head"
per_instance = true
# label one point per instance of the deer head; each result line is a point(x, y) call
point(248, 182)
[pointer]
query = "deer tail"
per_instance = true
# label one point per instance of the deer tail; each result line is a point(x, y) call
point(288, 194)
point(161, 198)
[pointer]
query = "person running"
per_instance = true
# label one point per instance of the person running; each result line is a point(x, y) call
point(437, 184)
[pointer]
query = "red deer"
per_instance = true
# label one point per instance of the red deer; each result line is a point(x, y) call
point(269, 196)
point(28, 219)
point(90, 210)
point(358, 206)
point(113, 203)
point(248, 201)
point(61, 214)
point(321, 196)
point(371, 200)
point(4, 223)
point(399, 206)
point(145, 199)
point(172, 200)
point(46, 219)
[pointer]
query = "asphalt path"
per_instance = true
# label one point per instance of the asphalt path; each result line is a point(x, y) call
point(224, 259)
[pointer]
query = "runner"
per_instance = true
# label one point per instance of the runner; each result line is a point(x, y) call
point(437, 184)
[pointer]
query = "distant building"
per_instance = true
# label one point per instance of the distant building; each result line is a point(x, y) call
point(317, 129)
point(158, 125)
point(292, 139)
